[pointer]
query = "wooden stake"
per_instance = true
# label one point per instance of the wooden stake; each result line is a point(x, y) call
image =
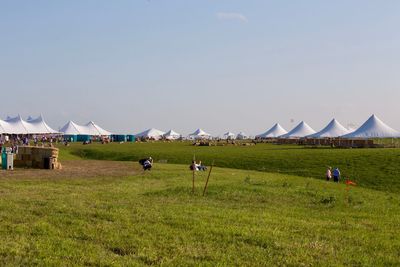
point(194, 171)
point(208, 178)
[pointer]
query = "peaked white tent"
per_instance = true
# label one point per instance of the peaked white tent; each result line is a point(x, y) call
point(15, 125)
point(333, 129)
point(71, 128)
point(151, 134)
point(199, 134)
point(39, 126)
point(229, 136)
point(301, 130)
point(92, 128)
point(276, 131)
point(242, 136)
point(172, 135)
point(373, 128)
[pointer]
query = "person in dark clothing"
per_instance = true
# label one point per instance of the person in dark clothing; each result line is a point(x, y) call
point(147, 163)
point(336, 175)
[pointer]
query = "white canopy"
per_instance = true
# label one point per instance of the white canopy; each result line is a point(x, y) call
point(275, 131)
point(17, 125)
point(242, 136)
point(172, 135)
point(333, 129)
point(95, 130)
point(39, 126)
point(373, 128)
point(71, 128)
point(301, 130)
point(151, 133)
point(229, 135)
point(200, 134)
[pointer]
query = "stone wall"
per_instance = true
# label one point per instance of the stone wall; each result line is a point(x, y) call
point(35, 157)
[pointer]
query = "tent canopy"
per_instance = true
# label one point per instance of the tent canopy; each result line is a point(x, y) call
point(242, 136)
point(17, 125)
point(71, 128)
point(151, 133)
point(172, 135)
point(373, 128)
point(333, 129)
point(200, 134)
point(275, 131)
point(301, 130)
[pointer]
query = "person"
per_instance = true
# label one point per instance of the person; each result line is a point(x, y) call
point(193, 166)
point(201, 167)
point(147, 163)
point(336, 175)
point(329, 174)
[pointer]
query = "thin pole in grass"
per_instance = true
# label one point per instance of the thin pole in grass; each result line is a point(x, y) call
point(194, 171)
point(208, 178)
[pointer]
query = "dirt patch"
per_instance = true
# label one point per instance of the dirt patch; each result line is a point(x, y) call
point(77, 169)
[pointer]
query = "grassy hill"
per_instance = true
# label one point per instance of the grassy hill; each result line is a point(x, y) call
point(371, 168)
point(248, 218)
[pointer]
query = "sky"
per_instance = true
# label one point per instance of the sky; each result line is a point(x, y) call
point(220, 65)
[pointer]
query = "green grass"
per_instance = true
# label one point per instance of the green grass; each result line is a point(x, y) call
point(248, 218)
point(372, 168)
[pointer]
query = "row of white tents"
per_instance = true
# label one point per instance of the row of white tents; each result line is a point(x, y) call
point(372, 128)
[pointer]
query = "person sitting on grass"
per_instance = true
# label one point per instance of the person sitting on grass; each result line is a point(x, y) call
point(336, 175)
point(193, 166)
point(201, 167)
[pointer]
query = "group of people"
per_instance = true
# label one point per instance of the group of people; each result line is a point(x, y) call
point(197, 166)
point(335, 174)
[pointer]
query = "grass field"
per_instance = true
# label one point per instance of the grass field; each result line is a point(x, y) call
point(371, 168)
point(110, 213)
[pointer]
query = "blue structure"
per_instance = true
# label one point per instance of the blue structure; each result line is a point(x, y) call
point(119, 138)
point(71, 138)
point(130, 138)
point(83, 138)
point(4, 159)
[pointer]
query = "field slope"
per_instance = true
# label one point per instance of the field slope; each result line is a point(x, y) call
point(248, 218)
point(371, 168)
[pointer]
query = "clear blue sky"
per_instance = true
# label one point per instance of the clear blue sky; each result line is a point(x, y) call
point(219, 65)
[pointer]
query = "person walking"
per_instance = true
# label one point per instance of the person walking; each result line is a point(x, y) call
point(336, 175)
point(329, 174)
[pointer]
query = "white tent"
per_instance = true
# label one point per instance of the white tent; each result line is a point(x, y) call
point(275, 131)
point(242, 136)
point(373, 128)
point(333, 129)
point(39, 126)
point(151, 133)
point(71, 128)
point(229, 136)
point(301, 130)
point(172, 135)
point(15, 125)
point(93, 129)
point(200, 134)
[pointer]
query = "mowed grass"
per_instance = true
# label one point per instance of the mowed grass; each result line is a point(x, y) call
point(247, 218)
point(371, 168)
